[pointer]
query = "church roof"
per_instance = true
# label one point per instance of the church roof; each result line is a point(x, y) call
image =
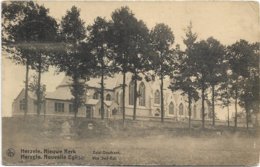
point(109, 82)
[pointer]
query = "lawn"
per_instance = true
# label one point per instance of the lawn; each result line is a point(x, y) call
point(138, 143)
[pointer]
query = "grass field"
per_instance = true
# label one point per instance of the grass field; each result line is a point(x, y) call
point(138, 143)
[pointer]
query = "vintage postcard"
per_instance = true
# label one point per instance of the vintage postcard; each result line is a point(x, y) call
point(103, 83)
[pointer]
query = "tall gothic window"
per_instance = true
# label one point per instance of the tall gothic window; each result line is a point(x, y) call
point(131, 93)
point(181, 109)
point(95, 96)
point(142, 94)
point(157, 97)
point(171, 108)
point(108, 97)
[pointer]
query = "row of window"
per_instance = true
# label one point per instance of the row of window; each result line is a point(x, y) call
point(59, 107)
point(181, 111)
point(140, 95)
point(107, 98)
point(171, 109)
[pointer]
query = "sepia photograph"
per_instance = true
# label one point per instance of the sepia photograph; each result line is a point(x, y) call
point(112, 83)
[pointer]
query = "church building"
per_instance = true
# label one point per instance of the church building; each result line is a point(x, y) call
point(148, 102)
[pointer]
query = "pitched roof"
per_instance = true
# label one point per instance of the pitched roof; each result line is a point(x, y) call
point(60, 93)
point(108, 103)
point(30, 94)
point(92, 101)
point(109, 82)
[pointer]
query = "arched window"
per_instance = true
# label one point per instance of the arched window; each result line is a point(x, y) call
point(108, 97)
point(171, 108)
point(142, 94)
point(157, 97)
point(131, 93)
point(194, 111)
point(181, 109)
point(95, 96)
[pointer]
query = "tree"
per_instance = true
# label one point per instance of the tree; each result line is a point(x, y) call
point(199, 66)
point(224, 90)
point(40, 92)
point(224, 95)
point(98, 40)
point(138, 55)
point(123, 33)
point(216, 69)
point(183, 78)
point(46, 31)
point(26, 30)
point(75, 58)
point(243, 61)
point(162, 39)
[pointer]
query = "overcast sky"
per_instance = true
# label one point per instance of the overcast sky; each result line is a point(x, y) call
point(225, 21)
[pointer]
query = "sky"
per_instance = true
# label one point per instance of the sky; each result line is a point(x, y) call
point(227, 22)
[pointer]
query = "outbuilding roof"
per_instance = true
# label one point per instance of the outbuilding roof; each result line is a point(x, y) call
point(60, 94)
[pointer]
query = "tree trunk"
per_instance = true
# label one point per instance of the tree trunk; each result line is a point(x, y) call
point(123, 106)
point(189, 98)
point(213, 105)
point(76, 97)
point(39, 100)
point(203, 107)
point(162, 102)
point(228, 114)
point(247, 115)
point(135, 96)
point(236, 94)
point(102, 91)
point(26, 88)
point(256, 119)
point(44, 109)
point(76, 109)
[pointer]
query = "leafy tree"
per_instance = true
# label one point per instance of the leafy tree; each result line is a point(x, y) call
point(209, 67)
point(224, 90)
point(243, 61)
point(200, 58)
point(75, 58)
point(183, 78)
point(98, 40)
point(162, 39)
point(224, 95)
point(138, 55)
point(73, 30)
point(123, 34)
point(26, 30)
point(216, 69)
point(40, 92)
